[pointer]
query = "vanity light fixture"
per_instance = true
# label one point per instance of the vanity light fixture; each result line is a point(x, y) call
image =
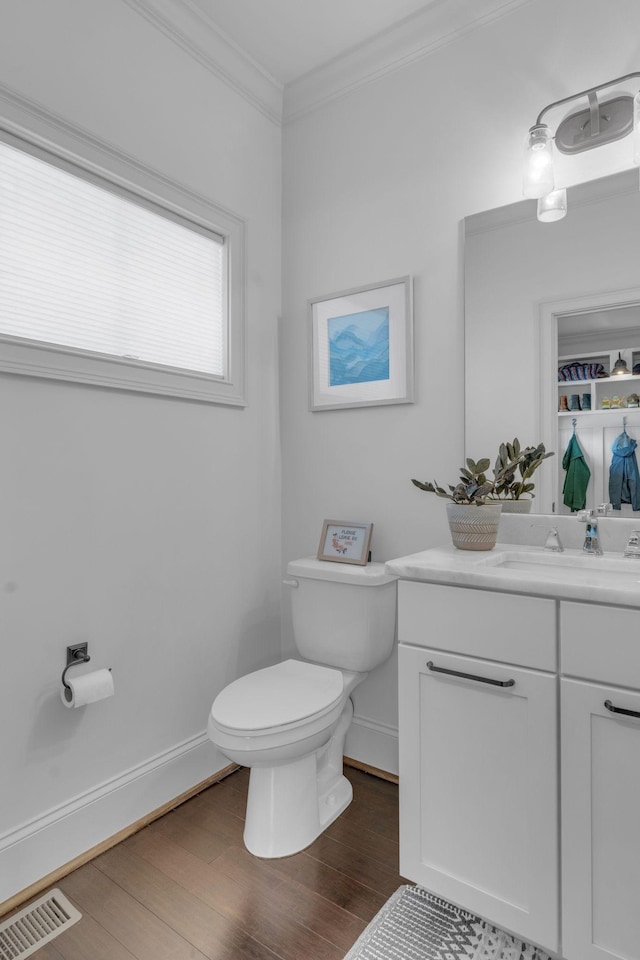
point(619, 368)
point(553, 206)
point(584, 129)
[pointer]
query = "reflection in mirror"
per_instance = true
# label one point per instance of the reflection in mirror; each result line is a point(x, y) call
point(595, 400)
point(539, 297)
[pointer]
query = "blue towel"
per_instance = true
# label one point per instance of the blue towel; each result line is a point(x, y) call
point(624, 479)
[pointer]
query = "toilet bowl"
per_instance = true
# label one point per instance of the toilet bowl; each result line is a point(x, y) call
point(288, 722)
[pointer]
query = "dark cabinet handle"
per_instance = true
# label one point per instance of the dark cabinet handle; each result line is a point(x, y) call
point(470, 676)
point(627, 713)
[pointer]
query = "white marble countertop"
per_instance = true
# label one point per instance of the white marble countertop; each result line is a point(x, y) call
point(521, 568)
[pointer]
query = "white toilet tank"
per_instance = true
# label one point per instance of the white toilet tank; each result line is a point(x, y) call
point(344, 615)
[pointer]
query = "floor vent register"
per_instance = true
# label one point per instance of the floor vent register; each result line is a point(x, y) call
point(27, 931)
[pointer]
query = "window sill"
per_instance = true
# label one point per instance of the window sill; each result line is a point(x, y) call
point(25, 358)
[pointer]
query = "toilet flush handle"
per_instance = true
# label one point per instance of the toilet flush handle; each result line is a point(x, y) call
point(291, 583)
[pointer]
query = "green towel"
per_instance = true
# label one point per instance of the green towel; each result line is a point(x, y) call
point(574, 491)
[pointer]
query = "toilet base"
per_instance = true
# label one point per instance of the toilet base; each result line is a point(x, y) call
point(288, 806)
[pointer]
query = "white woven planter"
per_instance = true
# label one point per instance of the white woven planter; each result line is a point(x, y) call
point(474, 527)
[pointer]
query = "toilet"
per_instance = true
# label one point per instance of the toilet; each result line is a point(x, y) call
point(288, 722)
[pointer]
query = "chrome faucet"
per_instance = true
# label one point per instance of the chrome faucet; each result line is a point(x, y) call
point(633, 546)
point(591, 543)
point(553, 541)
point(591, 540)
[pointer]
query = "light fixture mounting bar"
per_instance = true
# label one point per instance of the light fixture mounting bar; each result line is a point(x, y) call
point(594, 113)
point(586, 93)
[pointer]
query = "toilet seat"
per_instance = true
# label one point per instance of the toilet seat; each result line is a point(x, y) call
point(280, 697)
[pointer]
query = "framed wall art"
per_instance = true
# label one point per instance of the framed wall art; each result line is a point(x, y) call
point(361, 346)
point(345, 542)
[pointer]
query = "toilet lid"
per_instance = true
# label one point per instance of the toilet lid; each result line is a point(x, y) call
point(285, 693)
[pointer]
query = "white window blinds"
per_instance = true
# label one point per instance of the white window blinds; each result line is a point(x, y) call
point(84, 267)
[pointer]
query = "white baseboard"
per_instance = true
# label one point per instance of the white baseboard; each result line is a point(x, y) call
point(373, 743)
point(58, 836)
point(39, 847)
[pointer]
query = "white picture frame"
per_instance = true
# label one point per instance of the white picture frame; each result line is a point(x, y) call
point(361, 346)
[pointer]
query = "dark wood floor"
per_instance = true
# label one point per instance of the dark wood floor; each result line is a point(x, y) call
point(185, 888)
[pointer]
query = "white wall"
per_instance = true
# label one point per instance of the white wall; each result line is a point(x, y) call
point(149, 527)
point(375, 186)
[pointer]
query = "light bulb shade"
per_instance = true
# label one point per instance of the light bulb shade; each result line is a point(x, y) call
point(620, 368)
point(636, 128)
point(553, 206)
point(538, 162)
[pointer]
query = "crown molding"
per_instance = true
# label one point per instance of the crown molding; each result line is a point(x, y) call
point(408, 41)
point(195, 33)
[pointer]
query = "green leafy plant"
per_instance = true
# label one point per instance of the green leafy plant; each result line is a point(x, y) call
point(474, 486)
point(516, 466)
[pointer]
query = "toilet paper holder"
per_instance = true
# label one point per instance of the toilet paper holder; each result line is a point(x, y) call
point(76, 653)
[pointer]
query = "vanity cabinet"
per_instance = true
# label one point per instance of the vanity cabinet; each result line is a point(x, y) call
point(600, 782)
point(485, 821)
point(478, 754)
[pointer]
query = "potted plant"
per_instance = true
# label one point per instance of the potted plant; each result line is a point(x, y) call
point(516, 466)
point(473, 517)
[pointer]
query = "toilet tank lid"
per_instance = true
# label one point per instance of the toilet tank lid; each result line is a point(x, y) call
point(371, 575)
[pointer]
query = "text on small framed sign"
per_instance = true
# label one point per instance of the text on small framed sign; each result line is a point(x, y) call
point(345, 541)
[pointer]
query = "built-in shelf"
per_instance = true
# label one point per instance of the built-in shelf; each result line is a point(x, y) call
point(619, 386)
point(603, 410)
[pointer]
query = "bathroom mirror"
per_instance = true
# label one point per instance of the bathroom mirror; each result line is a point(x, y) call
point(527, 284)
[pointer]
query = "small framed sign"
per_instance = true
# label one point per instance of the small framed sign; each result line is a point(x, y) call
point(345, 542)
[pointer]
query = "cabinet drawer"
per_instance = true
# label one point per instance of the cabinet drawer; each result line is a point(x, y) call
point(601, 643)
point(495, 626)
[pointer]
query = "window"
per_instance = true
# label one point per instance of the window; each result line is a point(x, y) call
point(99, 283)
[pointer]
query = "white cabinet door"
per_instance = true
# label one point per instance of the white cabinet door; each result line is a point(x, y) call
point(479, 790)
point(600, 822)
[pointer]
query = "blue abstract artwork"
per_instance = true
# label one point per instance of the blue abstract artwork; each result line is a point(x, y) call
point(359, 347)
